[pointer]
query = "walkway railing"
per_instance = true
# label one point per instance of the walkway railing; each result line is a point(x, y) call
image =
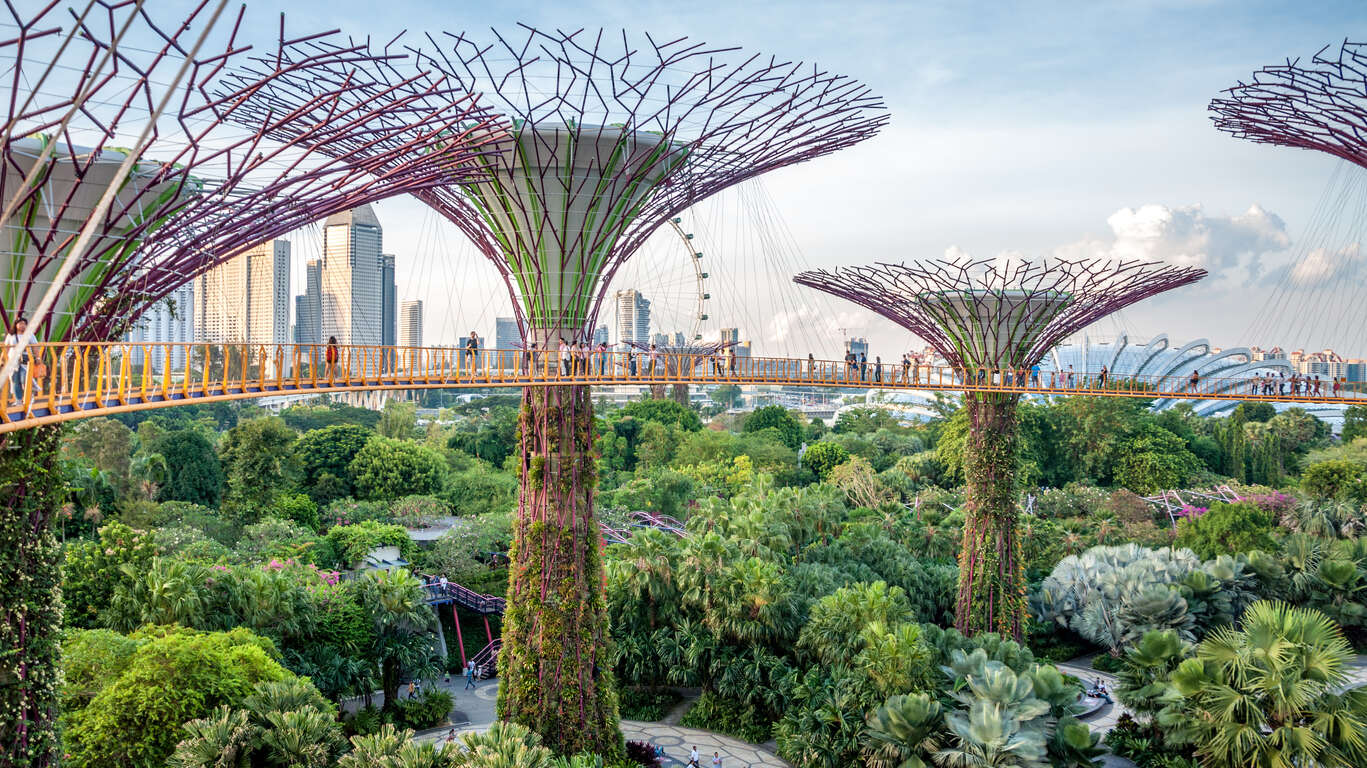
point(468, 599)
point(67, 381)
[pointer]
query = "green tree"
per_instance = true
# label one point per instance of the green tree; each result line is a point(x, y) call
point(1333, 479)
point(823, 456)
point(258, 458)
point(403, 628)
point(1154, 460)
point(105, 443)
point(664, 411)
point(94, 569)
point(727, 396)
point(491, 436)
point(1227, 529)
point(174, 676)
point(1270, 693)
point(1354, 423)
point(387, 469)
point(779, 418)
point(327, 453)
point(863, 421)
point(197, 475)
point(398, 420)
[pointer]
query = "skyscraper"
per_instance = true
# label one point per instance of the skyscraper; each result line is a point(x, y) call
point(390, 312)
point(633, 317)
point(247, 298)
point(308, 307)
point(353, 278)
point(410, 323)
point(730, 335)
point(600, 335)
point(168, 322)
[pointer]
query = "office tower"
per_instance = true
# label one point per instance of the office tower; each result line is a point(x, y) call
point(506, 333)
point(730, 335)
point(353, 278)
point(600, 335)
point(247, 298)
point(168, 322)
point(633, 317)
point(390, 311)
point(660, 339)
point(859, 346)
point(410, 323)
point(308, 307)
point(679, 339)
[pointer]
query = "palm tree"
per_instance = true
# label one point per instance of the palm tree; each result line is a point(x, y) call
point(169, 592)
point(404, 628)
point(505, 745)
point(301, 738)
point(643, 566)
point(223, 739)
point(904, 732)
point(1267, 694)
point(150, 473)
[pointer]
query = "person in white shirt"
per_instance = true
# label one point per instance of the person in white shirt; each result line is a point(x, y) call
point(12, 340)
point(693, 758)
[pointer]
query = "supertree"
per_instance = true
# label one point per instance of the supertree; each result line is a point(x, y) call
point(610, 138)
point(122, 179)
point(991, 321)
point(1319, 105)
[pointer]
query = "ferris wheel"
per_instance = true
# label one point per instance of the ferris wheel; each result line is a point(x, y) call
point(669, 272)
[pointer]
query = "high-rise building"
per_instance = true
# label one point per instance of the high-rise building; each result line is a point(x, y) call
point(308, 307)
point(168, 322)
point(410, 323)
point(660, 339)
point(390, 311)
point(353, 274)
point(506, 333)
point(858, 346)
point(247, 298)
point(600, 335)
point(679, 340)
point(730, 335)
point(633, 317)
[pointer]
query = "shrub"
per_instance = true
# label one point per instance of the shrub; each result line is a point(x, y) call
point(642, 754)
point(417, 511)
point(648, 704)
point(348, 545)
point(388, 469)
point(725, 716)
point(1227, 529)
point(425, 712)
point(1333, 479)
point(824, 456)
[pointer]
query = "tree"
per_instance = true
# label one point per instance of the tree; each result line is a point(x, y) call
point(862, 421)
point(823, 456)
point(403, 624)
point(258, 458)
point(1354, 423)
point(387, 469)
point(727, 396)
point(328, 452)
point(105, 443)
point(491, 437)
point(1227, 529)
point(94, 569)
point(664, 411)
point(1333, 479)
point(1154, 460)
point(399, 420)
point(174, 676)
point(779, 418)
point(197, 475)
point(1270, 693)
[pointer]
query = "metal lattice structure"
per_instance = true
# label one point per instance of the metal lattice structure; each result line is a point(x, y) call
point(980, 313)
point(195, 189)
point(1319, 105)
point(611, 138)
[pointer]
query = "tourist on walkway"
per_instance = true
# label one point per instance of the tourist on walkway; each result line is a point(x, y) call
point(878, 369)
point(330, 356)
point(811, 366)
point(906, 368)
point(1072, 378)
point(863, 367)
point(1338, 385)
point(716, 760)
point(1195, 380)
point(1034, 375)
point(469, 674)
point(21, 335)
point(1101, 378)
point(731, 360)
point(693, 758)
point(602, 356)
point(451, 736)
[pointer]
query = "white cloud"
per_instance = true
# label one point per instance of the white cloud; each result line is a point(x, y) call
point(1321, 266)
point(1188, 236)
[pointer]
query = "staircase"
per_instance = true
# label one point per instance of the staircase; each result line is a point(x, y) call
point(486, 661)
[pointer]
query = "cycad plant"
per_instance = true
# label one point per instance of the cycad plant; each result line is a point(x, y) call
point(1002, 724)
point(1268, 694)
point(904, 732)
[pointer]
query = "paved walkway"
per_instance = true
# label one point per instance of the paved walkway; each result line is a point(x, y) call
point(478, 706)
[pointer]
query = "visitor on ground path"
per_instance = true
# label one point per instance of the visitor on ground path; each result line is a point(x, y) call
point(716, 760)
point(450, 735)
point(412, 690)
point(469, 674)
point(693, 758)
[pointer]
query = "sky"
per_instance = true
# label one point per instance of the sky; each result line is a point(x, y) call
point(1038, 128)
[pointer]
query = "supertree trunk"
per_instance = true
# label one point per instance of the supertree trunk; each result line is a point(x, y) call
point(554, 671)
point(30, 597)
point(680, 394)
point(991, 596)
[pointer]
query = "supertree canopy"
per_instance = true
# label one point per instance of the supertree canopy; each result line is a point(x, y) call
point(194, 190)
point(123, 179)
point(608, 139)
point(992, 320)
point(1319, 105)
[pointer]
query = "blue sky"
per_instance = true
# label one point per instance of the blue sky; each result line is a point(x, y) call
point(1037, 127)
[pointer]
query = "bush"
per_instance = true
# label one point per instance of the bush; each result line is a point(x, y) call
point(1334, 479)
point(824, 456)
point(642, 754)
point(648, 704)
point(389, 469)
point(730, 718)
point(348, 545)
point(426, 712)
point(1227, 529)
point(417, 511)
